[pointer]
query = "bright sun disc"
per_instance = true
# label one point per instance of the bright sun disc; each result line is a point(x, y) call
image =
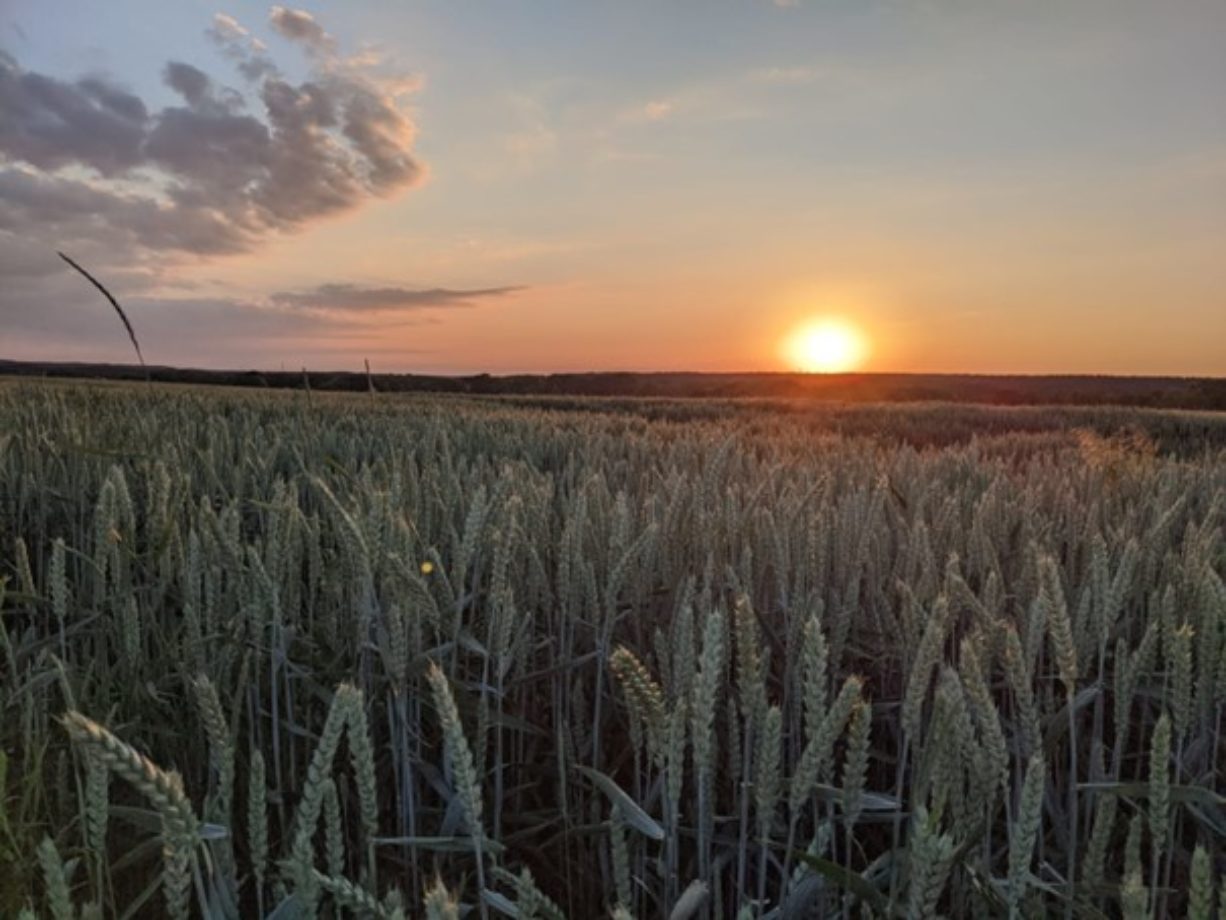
point(828, 347)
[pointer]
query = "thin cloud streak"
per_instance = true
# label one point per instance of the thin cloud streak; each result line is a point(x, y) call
point(349, 297)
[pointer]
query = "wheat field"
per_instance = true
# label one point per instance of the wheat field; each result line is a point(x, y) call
point(299, 655)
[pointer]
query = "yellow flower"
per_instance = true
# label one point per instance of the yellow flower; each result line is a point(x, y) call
point(427, 567)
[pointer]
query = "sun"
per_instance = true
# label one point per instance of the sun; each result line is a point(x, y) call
point(828, 346)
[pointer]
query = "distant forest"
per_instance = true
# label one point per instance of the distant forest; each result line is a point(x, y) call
point(1159, 392)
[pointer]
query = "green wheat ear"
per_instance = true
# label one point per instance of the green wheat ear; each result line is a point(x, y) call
point(926, 659)
point(620, 857)
point(163, 789)
point(1200, 889)
point(1093, 868)
point(1160, 782)
point(1133, 897)
point(1026, 829)
point(459, 755)
point(439, 903)
point(306, 818)
point(350, 896)
point(932, 856)
point(97, 802)
point(221, 752)
point(362, 757)
point(257, 819)
point(644, 695)
point(855, 762)
point(56, 879)
point(530, 901)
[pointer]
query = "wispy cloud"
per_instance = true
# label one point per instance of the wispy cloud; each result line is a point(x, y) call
point(661, 108)
point(784, 76)
point(351, 297)
point(532, 139)
point(50, 316)
point(300, 26)
point(657, 110)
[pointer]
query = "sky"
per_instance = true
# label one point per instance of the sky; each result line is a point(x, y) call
point(447, 186)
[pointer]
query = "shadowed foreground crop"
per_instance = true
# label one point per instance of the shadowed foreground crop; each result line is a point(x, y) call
point(410, 656)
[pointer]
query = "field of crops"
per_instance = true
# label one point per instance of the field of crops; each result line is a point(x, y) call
point(319, 656)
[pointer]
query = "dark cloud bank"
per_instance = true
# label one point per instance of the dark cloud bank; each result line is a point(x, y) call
point(87, 166)
point(215, 174)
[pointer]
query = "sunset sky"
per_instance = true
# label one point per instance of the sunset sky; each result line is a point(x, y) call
point(456, 187)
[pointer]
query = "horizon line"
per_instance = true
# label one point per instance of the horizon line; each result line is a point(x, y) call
point(456, 375)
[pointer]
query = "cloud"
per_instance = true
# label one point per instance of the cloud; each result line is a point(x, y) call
point(657, 110)
point(784, 76)
point(223, 171)
point(50, 314)
point(300, 26)
point(351, 297)
point(52, 124)
point(60, 212)
point(531, 141)
point(216, 331)
point(236, 43)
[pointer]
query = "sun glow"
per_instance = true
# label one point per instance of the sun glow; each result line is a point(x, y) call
point(827, 346)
